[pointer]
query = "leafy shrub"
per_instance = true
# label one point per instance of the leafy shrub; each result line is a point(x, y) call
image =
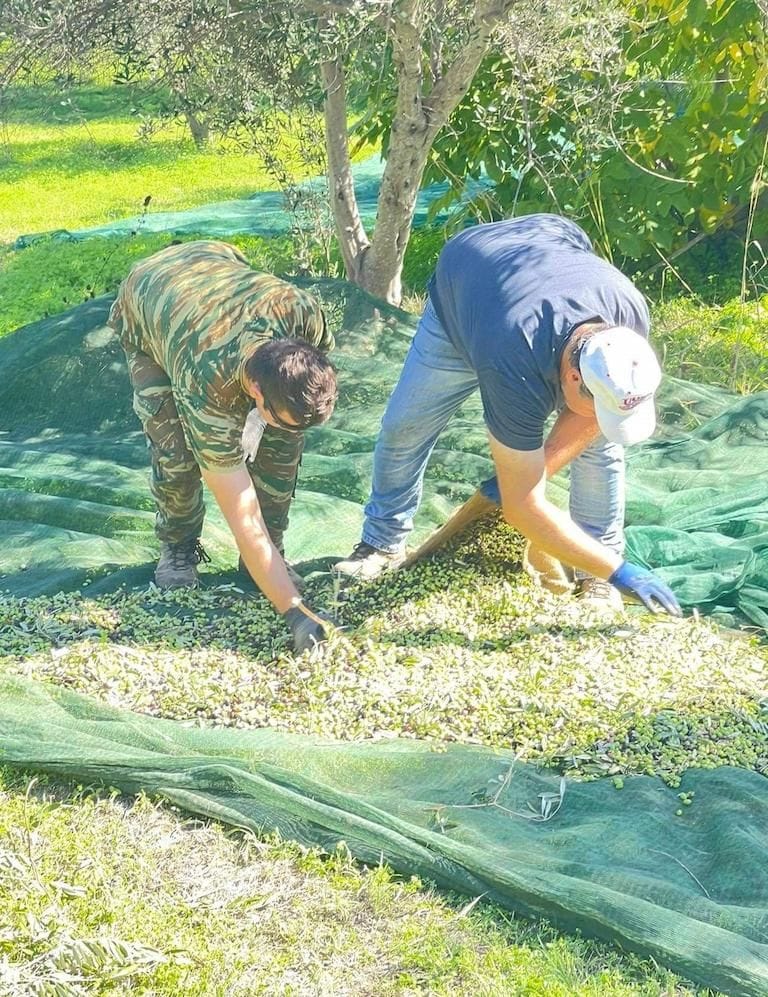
point(421, 256)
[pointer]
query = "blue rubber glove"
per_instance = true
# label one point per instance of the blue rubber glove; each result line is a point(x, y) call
point(641, 583)
point(490, 489)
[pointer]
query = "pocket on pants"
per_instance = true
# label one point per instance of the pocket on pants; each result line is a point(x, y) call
point(147, 404)
point(163, 429)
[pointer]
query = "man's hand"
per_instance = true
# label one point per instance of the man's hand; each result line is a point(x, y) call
point(309, 629)
point(635, 581)
point(522, 477)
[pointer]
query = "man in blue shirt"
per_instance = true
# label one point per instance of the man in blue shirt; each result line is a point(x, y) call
point(525, 311)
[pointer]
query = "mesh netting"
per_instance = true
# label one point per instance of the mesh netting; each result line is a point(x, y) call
point(690, 891)
point(74, 502)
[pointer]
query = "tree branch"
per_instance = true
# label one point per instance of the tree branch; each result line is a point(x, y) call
point(452, 86)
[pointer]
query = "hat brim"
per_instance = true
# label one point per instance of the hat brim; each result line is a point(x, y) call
point(633, 427)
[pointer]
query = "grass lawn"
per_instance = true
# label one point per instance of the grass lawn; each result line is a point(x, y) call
point(110, 896)
point(100, 894)
point(81, 174)
point(79, 161)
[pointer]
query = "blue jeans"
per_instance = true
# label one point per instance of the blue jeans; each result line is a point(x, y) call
point(434, 382)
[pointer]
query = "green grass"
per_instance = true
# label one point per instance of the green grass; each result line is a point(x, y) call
point(74, 162)
point(76, 175)
point(53, 275)
point(75, 165)
point(97, 98)
point(724, 344)
point(104, 895)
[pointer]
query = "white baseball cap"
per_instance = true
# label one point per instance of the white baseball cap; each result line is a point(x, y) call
point(622, 373)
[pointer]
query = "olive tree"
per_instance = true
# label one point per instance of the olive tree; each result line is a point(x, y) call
point(220, 61)
point(404, 72)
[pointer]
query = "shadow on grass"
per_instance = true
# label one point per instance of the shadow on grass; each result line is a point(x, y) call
point(75, 158)
point(54, 105)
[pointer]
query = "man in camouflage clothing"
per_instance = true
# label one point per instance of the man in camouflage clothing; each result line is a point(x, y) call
point(211, 344)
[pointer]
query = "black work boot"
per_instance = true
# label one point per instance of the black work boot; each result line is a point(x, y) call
point(177, 567)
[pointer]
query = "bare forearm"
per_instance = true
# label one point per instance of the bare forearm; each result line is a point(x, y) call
point(522, 479)
point(569, 437)
point(553, 530)
point(237, 500)
point(267, 568)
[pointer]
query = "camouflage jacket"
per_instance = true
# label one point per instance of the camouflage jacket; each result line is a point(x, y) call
point(200, 311)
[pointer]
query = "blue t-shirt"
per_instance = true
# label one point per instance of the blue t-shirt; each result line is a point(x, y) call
point(508, 295)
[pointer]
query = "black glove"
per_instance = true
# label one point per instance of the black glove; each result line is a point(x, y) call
point(309, 629)
point(641, 583)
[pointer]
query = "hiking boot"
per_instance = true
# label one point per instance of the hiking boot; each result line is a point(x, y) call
point(366, 562)
point(177, 567)
point(295, 577)
point(598, 592)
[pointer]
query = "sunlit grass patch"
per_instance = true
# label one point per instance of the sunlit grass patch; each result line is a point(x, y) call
point(90, 154)
point(102, 894)
point(75, 175)
point(715, 344)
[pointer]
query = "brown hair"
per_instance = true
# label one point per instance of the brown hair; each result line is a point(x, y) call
point(296, 378)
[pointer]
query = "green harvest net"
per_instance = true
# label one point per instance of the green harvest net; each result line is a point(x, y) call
point(74, 505)
point(265, 212)
point(690, 891)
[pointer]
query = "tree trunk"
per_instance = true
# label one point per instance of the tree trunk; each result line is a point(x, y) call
point(382, 266)
point(352, 237)
point(199, 129)
point(410, 139)
point(376, 264)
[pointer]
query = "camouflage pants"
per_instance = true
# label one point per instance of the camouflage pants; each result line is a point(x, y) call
point(175, 480)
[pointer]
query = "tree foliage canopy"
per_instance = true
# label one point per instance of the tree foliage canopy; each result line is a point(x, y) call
point(651, 132)
point(643, 119)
